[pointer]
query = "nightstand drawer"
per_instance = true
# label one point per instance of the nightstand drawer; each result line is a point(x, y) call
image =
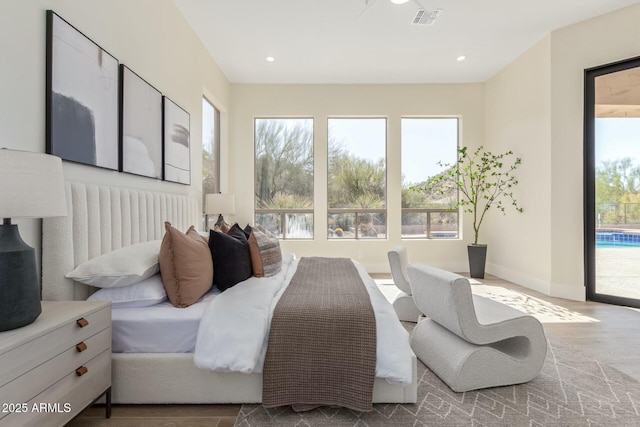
point(66, 397)
point(43, 348)
point(28, 385)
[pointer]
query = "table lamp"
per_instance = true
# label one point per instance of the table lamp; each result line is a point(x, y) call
point(31, 186)
point(221, 204)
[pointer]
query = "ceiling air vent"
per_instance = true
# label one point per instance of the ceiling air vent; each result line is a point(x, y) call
point(419, 14)
point(426, 18)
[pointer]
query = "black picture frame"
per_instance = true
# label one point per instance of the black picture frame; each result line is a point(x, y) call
point(176, 142)
point(81, 97)
point(140, 126)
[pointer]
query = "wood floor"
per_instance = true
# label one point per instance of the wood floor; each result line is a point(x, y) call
point(159, 416)
point(608, 332)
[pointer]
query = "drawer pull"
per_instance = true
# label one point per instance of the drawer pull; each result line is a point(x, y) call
point(81, 347)
point(81, 371)
point(82, 322)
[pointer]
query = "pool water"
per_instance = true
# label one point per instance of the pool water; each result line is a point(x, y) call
point(617, 245)
point(616, 239)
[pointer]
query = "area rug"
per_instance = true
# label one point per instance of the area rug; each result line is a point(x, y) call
point(573, 389)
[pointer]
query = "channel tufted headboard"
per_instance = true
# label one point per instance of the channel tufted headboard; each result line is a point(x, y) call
point(101, 219)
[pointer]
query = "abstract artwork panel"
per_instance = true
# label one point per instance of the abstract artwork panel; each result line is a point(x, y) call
point(82, 97)
point(177, 159)
point(141, 122)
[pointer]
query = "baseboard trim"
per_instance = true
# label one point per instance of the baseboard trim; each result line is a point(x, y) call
point(557, 290)
point(575, 293)
point(378, 268)
point(519, 278)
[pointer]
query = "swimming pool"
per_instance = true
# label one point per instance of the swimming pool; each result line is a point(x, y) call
point(616, 239)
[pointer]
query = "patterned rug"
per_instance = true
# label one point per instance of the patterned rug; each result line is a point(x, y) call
point(572, 389)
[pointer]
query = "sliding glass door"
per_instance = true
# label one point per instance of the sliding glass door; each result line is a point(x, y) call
point(612, 183)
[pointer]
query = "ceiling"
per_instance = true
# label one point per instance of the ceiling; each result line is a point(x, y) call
point(372, 41)
point(618, 94)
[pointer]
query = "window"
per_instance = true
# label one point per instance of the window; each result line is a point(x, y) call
point(284, 176)
point(357, 178)
point(210, 150)
point(425, 143)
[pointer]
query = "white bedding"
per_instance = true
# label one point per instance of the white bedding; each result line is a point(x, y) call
point(234, 328)
point(160, 328)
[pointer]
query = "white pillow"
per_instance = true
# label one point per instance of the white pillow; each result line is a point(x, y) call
point(122, 267)
point(142, 294)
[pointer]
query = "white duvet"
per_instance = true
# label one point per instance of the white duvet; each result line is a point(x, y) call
point(234, 329)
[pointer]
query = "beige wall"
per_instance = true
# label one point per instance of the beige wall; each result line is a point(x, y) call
point(534, 106)
point(150, 36)
point(537, 103)
point(323, 101)
point(518, 112)
point(608, 38)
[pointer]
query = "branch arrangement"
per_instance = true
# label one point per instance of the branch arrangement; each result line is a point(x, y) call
point(483, 181)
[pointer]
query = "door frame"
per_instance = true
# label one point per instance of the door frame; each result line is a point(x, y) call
point(589, 172)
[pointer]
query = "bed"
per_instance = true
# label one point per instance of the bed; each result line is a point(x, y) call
point(102, 219)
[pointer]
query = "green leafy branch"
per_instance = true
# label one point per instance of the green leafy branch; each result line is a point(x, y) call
point(483, 180)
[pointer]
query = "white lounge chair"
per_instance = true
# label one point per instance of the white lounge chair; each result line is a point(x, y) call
point(403, 304)
point(469, 341)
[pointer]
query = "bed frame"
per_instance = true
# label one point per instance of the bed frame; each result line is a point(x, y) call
point(101, 219)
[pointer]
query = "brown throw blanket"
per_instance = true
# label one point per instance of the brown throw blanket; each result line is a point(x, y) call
point(322, 341)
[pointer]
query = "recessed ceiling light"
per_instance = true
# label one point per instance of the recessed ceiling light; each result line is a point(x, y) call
point(461, 58)
point(399, 1)
point(270, 58)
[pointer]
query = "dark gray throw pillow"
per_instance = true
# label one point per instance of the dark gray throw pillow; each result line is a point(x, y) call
point(231, 258)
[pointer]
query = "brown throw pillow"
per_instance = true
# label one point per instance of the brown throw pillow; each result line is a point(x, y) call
point(192, 229)
point(185, 265)
point(266, 256)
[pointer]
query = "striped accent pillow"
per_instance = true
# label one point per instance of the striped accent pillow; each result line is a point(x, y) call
point(266, 256)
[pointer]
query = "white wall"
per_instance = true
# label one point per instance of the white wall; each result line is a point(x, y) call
point(535, 106)
point(607, 38)
point(518, 118)
point(150, 36)
point(323, 101)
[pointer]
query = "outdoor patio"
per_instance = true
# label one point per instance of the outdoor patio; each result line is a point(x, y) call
point(618, 271)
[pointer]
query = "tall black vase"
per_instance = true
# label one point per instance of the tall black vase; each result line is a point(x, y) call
point(477, 259)
point(19, 284)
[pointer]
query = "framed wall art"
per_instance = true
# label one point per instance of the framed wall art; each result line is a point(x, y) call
point(176, 134)
point(81, 97)
point(141, 126)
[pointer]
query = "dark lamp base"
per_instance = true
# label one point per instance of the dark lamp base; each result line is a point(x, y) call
point(19, 284)
point(220, 221)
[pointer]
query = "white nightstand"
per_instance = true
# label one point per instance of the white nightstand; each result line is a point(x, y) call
point(54, 368)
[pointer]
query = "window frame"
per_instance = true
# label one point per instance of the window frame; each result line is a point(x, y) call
point(357, 211)
point(429, 211)
point(216, 152)
point(293, 211)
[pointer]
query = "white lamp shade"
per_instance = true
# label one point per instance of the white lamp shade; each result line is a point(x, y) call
point(31, 185)
point(219, 203)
